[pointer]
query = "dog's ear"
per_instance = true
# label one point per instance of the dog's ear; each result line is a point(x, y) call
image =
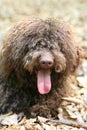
point(5, 64)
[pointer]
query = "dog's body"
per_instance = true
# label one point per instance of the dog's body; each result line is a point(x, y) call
point(37, 56)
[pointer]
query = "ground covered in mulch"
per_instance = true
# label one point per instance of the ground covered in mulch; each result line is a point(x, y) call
point(72, 114)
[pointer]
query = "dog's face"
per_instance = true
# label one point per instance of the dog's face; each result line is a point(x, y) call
point(43, 62)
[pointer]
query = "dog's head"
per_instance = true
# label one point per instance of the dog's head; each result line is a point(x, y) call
point(41, 46)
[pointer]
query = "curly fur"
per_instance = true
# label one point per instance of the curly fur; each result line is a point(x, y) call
point(25, 42)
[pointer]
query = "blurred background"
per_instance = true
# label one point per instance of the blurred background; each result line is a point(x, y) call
point(73, 11)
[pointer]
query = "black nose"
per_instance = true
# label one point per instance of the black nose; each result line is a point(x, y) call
point(46, 63)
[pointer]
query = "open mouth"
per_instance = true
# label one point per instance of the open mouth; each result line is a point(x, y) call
point(44, 81)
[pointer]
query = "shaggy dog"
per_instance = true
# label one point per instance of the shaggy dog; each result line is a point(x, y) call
point(37, 57)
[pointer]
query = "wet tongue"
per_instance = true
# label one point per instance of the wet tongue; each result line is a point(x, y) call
point(43, 81)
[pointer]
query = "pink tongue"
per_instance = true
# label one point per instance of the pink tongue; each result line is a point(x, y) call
point(43, 81)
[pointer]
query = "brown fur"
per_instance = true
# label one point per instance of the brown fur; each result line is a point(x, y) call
point(26, 41)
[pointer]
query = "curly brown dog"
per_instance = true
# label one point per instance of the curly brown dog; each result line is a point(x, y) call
point(36, 58)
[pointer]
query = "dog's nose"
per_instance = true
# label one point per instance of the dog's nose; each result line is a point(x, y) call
point(46, 63)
